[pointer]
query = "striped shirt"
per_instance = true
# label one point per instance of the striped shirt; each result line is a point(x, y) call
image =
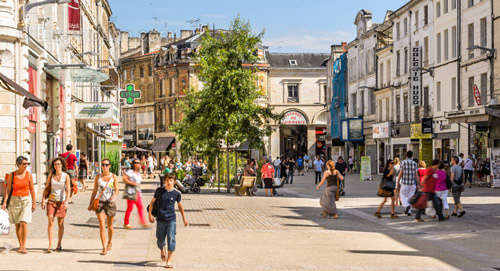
point(409, 168)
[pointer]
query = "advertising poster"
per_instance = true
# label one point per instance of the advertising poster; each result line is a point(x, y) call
point(366, 169)
point(495, 167)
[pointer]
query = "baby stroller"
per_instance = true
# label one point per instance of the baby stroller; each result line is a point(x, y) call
point(192, 184)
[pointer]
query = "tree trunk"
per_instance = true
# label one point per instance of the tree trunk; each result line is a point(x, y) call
point(217, 172)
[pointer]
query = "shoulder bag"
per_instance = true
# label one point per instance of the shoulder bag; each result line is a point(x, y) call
point(95, 202)
point(11, 188)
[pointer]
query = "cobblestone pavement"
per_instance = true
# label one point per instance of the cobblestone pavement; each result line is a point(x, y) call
point(280, 233)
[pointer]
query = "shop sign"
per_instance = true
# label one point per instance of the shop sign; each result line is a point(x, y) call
point(130, 94)
point(416, 132)
point(74, 15)
point(427, 127)
point(96, 112)
point(477, 94)
point(416, 75)
point(352, 129)
point(381, 130)
point(293, 118)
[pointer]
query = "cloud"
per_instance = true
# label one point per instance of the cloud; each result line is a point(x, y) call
point(307, 42)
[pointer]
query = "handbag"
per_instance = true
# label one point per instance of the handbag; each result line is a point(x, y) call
point(4, 223)
point(388, 184)
point(95, 202)
point(421, 202)
point(415, 197)
point(11, 188)
point(130, 193)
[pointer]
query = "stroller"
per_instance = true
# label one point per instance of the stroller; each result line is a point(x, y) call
point(192, 184)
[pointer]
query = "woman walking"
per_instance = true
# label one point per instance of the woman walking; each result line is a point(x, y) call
point(106, 184)
point(422, 169)
point(22, 204)
point(83, 170)
point(133, 179)
point(56, 190)
point(442, 189)
point(331, 193)
point(386, 189)
point(397, 169)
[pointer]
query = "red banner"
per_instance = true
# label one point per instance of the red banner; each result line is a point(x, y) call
point(33, 88)
point(74, 15)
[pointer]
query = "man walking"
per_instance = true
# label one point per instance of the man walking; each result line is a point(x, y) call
point(277, 167)
point(408, 180)
point(306, 160)
point(300, 166)
point(72, 167)
point(468, 170)
point(318, 169)
point(341, 166)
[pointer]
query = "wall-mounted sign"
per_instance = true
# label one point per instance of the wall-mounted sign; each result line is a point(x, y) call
point(381, 130)
point(293, 118)
point(477, 94)
point(416, 132)
point(97, 112)
point(352, 129)
point(130, 94)
point(74, 15)
point(427, 127)
point(416, 75)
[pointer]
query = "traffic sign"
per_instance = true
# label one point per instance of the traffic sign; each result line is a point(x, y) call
point(477, 94)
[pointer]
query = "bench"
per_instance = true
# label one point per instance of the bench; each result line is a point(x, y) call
point(245, 187)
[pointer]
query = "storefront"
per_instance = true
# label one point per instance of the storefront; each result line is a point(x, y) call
point(381, 135)
point(293, 133)
point(421, 142)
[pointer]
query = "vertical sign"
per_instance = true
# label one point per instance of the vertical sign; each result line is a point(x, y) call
point(366, 169)
point(495, 167)
point(416, 75)
point(74, 15)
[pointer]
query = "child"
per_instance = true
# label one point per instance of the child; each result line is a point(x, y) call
point(166, 226)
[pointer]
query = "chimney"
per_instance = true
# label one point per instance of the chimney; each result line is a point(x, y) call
point(186, 33)
point(124, 42)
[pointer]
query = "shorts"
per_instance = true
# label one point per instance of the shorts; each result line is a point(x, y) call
point(166, 230)
point(20, 209)
point(56, 209)
point(71, 173)
point(301, 167)
point(82, 174)
point(456, 191)
point(109, 208)
point(268, 183)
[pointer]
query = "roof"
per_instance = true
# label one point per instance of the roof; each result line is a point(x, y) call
point(303, 60)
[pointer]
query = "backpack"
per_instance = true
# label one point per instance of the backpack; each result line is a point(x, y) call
point(156, 205)
point(460, 180)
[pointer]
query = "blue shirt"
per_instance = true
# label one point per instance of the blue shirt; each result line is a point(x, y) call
point(300, 162)
point(318, 165)
point(167, 199)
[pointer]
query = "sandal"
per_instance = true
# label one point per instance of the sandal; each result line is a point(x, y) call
point(378, 215)
point(48, 251)
point(59, 249)
point(109, 247)
point(394, 216)
point(323, 214)
point(104, 252)
point(169, 266)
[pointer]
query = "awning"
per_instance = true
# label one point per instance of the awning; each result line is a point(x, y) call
point(135, 149)
point(161, 144)
point(30, 100)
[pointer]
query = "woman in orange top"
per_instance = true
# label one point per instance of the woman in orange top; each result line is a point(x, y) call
point(22, 201)
point(267, 177)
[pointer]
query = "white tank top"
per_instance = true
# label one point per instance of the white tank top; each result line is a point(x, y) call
point(108, 189)
point(58, 191)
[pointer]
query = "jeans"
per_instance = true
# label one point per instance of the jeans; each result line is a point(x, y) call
point(468, 176)
point(436, 203)
point(405, 193)
point(317, 177)
point(166, 230)
point(130, 207)
point(290, 176)
point(277, 172)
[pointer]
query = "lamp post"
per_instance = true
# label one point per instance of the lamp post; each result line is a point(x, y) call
point(492, 53)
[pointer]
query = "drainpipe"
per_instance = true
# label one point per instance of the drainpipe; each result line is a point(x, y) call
point(492, 57)
point(459, 70)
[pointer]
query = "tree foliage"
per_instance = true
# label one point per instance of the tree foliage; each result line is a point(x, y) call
point(225, 109)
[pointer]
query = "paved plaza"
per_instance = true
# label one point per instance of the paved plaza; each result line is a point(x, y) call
point(280, 233)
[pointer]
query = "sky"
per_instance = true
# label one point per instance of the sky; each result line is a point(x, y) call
point(289, 26)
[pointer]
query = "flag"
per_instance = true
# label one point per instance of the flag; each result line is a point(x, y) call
point(74, 15)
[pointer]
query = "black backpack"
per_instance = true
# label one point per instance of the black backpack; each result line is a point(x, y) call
point(156, 205)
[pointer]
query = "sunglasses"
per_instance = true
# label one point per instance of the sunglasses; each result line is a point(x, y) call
point(136, 163)
point(26, 164)
point(106, 165)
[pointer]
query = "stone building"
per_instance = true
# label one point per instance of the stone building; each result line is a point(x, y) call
point(298, 92)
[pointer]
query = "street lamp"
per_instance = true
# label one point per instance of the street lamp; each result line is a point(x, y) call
point(492, 53)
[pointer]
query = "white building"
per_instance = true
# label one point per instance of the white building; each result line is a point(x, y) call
point(298, 92)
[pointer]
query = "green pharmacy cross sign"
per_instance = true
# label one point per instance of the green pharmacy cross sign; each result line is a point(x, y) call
point(130, 94)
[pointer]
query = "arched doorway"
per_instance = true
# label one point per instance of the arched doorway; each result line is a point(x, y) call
point(293, 134)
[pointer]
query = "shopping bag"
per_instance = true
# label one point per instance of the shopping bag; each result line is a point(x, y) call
point(276, 181)
point(4, 222)
point(421, 202)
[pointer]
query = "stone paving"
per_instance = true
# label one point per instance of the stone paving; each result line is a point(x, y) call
point(279, 233)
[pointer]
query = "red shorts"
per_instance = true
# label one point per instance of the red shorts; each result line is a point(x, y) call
point(56, 209)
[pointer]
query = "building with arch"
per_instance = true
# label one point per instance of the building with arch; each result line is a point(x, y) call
point(298, 93)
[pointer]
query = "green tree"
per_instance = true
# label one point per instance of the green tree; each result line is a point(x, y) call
point(224, 111)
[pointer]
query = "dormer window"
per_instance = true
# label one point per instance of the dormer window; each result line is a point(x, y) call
point(292, 62)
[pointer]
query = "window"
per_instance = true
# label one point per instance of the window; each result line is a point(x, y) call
point(470, 3)
point(362, 96)
point(405, 26)
point(124, 75)
point(426, 15)
point(354, 104)
point(406, 60)
point(325, 94)
point(162, 89)
point(398, 109)
point(484, 87)
point(387, 109)
point(372, 101)
point(398, 63)
point(172, 86)
point(381, 75)
point(453, 4)
point(380, 110)
point(482, 33)
point(438, 48)
point(438, 9)
point(171, 115)
point(445, 6)
point(438, 96)
point(470, 40)
point(388, 73)
point(426, 51)
point(471, 91)
point(150, 70)
point(416, 20)
point(398, 31)
point(446, 45)
point(132, 73)
point(141, 71)
point(426, 98)
point(453, 93)
point(293, 93)
point(292, 62)
point(454, 41)
point(405, 108)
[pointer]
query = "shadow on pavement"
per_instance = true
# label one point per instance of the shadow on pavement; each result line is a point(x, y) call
point(122, 263)
point(387, 252)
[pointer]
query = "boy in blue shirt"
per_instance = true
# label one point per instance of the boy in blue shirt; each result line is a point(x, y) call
point(166, 226)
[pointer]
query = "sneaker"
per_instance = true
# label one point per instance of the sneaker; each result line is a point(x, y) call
point(127, 227)
point(378, 215)
point(407, 210)
point(461, 214)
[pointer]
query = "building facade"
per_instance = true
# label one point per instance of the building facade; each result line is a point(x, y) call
point(298, 93)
